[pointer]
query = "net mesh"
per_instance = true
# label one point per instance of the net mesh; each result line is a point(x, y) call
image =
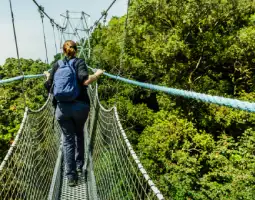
point(114, 171)
point(32, 167)
point(27, 170)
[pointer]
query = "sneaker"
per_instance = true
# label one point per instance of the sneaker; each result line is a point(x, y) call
point(72, 182)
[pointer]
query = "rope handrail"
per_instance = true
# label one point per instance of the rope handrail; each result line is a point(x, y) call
point(18, 78)
point(233, 103)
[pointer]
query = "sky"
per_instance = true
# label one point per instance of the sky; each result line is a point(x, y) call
point(29, 27)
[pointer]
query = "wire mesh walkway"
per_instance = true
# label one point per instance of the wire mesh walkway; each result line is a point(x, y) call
point(75, 193)
point(33, 167)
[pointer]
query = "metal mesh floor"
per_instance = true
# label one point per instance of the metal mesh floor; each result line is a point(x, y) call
point(74, 193)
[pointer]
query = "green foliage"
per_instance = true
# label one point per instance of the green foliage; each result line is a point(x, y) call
point(192, 150)
point(189, 163)
point(12, 97)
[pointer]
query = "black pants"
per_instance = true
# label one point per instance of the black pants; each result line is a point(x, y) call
point(71, 118)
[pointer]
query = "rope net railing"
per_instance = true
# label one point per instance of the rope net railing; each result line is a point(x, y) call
point(114, 170)
point(28, 168)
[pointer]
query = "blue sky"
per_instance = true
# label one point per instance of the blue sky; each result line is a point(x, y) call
point(29, 27)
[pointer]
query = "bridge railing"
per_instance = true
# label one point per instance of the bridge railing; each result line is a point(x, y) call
point(114, 170)
point(27, 170)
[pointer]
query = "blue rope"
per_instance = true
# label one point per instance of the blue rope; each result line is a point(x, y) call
point(233, 103)
point(20, 78)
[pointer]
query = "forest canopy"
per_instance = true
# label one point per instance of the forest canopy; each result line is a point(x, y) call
point(191, 150)
point(12, 103)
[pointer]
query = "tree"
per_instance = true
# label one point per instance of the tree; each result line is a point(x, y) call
point(193, 150)
point(12, 97)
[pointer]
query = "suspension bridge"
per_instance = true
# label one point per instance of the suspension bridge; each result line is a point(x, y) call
point(33, 167)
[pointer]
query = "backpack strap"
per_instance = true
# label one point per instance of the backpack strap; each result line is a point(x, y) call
point(72, 62)
point(60, 63)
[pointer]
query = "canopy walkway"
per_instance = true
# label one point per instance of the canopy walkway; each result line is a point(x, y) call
point(33, 167)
